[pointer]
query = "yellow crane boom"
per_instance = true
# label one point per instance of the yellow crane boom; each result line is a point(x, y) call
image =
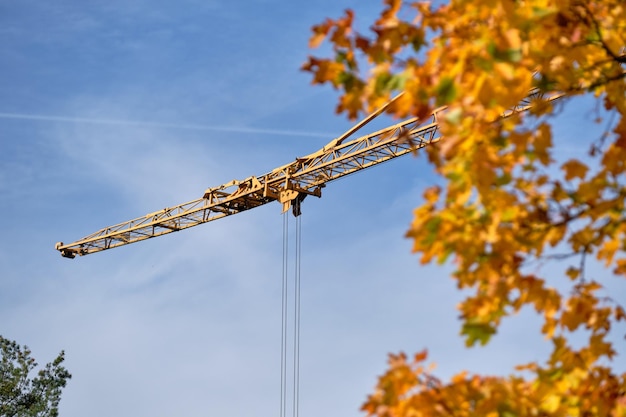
point(288, 184)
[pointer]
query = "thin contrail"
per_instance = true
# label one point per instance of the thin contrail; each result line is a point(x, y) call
point(40, 117)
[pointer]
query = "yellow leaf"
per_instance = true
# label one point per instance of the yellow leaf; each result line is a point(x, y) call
point(543, 143)
point(431, 195)
point(551, 403)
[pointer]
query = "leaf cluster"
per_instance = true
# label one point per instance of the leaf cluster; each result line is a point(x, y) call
point(21, 396)
point(509, 201)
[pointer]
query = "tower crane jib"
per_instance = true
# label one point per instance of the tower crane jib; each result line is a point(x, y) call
point(288, 184)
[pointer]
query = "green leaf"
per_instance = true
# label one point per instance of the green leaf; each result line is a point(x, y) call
point(504, 55)
point(514, 55)
point(477, 332)
point(446, 91)
point(397, 82)
point(348, 80)
point(432, 227)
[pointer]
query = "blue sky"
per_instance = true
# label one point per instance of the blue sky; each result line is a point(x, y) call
point(115, 109)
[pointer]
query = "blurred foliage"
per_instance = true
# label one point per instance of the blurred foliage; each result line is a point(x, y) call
point(509, 199)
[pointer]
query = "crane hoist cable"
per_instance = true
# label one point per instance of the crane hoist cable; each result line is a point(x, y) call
point(283, 330)
point(287, 184)
point(284, 348)
point(296, 326)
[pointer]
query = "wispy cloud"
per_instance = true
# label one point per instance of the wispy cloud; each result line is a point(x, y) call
point(136, 123)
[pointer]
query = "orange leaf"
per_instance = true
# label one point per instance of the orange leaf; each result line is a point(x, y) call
point(574, 169)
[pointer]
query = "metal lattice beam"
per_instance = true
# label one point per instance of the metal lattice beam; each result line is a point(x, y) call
point(305, 175)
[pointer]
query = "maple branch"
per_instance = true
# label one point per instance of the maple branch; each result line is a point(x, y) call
point(596, 147)
point(559, 256)
point(616, 57)
point(583, 258)
point(599, 83)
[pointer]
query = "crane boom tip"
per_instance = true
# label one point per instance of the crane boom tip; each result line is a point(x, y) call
point(66, 253)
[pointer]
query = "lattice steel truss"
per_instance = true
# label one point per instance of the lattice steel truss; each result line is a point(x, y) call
point(288, 184)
